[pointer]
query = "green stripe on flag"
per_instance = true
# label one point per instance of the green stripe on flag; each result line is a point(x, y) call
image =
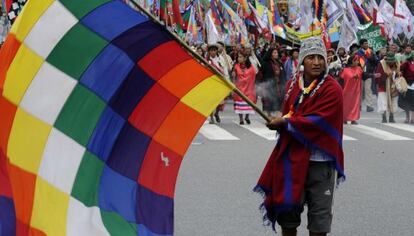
point(117, 226)
point(86, 186)
point(80, 8)
point(80, 115)
point(76, 50)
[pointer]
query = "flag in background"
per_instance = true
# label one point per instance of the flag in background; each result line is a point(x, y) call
point(348, 35)
point(192, 34)
point(361, 13)
point(13, 8)
point(91, 96)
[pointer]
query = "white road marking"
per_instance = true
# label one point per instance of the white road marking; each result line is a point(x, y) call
point(348, 138)
point(377, 133)
point(259, 129)
point(214, 132)
point(405, 127)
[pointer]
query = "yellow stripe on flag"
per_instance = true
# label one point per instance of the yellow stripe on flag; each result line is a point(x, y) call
point(50, 208)
point(27, 140)
point(204, 97)
point(21, 72)
point(27, 19)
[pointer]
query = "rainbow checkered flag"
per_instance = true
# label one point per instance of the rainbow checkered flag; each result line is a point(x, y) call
point(98, 107)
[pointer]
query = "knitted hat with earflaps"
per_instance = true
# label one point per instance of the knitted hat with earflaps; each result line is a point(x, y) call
point(313, 46)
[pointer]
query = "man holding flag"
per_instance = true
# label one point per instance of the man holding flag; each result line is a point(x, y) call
point(303, 166)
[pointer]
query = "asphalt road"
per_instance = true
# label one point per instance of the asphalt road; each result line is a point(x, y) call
point(214, 188)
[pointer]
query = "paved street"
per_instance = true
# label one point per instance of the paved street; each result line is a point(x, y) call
point(214, 197)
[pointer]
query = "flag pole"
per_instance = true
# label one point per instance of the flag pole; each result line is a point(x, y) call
point(205, 63)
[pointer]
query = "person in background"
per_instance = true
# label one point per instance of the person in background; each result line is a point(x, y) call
point(272, 87)
point(382, 52)
point(248, 51)
point(214, 60)
point(406, 54)
point(386, 71)
point(199, 51)
point(235, 52)
point(224, 58)
point(292, 64)
point(393, 48)
point(334, 64)
point(283, 54)
point(368, 64)
point(352, 84)
point(353, 48)
point(244, 78)
point(406, 101)
point(343, 56)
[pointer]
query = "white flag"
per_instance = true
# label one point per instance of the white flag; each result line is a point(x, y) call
point(212, 32)
point(348, 35)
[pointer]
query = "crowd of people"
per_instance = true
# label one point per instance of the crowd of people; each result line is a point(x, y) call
point(363, 74)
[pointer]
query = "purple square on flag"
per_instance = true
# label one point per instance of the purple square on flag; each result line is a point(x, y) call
point(7, 216)
point(155, 212)
point(141, 39)
point(131, 92)
point(128, 153)
point(118, 194)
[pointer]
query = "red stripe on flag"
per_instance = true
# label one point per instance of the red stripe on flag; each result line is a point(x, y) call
point(162, 59)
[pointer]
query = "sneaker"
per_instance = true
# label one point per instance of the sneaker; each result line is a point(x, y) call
point(241, 122)
point(345, 123)
point(354, 123)
point(370, 109)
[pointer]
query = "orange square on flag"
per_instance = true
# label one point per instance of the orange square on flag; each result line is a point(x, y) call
point(160, 169)
point(23, 185)
point(184, 77)
point(179, 128)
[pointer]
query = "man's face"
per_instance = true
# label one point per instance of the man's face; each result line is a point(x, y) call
point(314, 65)
point(213, 52)
point(407, 50)
point(394, 48)
point(247, 51)
point(365, 45)
point(383, 52)
point(295, 55)
point(283, 7)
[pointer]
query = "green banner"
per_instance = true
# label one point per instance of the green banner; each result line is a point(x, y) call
point(373, 34)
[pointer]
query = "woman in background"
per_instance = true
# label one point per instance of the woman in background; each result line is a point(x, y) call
point(272, 86)
point(352, 84)
point(244, 77)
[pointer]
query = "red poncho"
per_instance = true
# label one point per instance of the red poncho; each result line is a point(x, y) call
point(316, 124)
